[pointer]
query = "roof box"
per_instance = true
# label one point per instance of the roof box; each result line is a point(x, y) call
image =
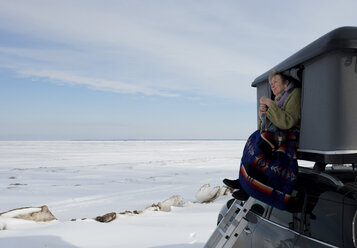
point(326, 70)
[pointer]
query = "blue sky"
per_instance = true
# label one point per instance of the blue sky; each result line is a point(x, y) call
point(160, 69)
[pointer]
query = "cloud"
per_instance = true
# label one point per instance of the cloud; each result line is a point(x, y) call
point(95, 83)
point(159, 47)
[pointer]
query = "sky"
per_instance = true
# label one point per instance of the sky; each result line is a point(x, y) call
point(158, 69)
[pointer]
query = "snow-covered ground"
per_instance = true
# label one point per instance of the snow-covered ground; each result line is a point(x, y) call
point(84, 179)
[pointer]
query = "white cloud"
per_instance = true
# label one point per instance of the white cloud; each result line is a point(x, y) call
point(95, 83)
point(160, 39)
point(201, 47)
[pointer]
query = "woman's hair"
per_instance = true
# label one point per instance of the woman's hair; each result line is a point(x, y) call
point(283, 77)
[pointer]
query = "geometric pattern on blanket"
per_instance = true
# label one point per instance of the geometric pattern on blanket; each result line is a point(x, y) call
point(269, 168)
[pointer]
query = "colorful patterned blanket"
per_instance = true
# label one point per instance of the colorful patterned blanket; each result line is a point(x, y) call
point(269, 167)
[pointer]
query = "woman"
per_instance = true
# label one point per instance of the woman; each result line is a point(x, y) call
point(284, 111)
point(269, 167)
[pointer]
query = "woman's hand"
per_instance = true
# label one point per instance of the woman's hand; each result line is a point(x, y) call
point(262, 109)
point(266, 101)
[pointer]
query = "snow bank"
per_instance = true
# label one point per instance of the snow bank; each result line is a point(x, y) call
point(84, 179)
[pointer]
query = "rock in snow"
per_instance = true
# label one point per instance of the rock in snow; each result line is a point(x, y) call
point(107, 217)
point(173, 201)
point(207, 194)
point(38, 214)
point(43, 214)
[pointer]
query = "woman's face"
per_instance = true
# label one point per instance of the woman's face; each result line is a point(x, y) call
point(277, 84)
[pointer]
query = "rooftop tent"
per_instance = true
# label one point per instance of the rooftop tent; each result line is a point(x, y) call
point(326, 70)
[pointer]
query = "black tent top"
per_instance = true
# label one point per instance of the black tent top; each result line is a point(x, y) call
point(338, 39)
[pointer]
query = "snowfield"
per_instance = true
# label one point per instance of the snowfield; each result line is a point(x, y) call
point(80, 180)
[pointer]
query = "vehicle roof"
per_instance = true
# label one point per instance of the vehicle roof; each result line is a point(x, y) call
point(339, 39)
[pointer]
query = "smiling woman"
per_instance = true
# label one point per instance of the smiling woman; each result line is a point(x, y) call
point(284, 112)
point(278, 82)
